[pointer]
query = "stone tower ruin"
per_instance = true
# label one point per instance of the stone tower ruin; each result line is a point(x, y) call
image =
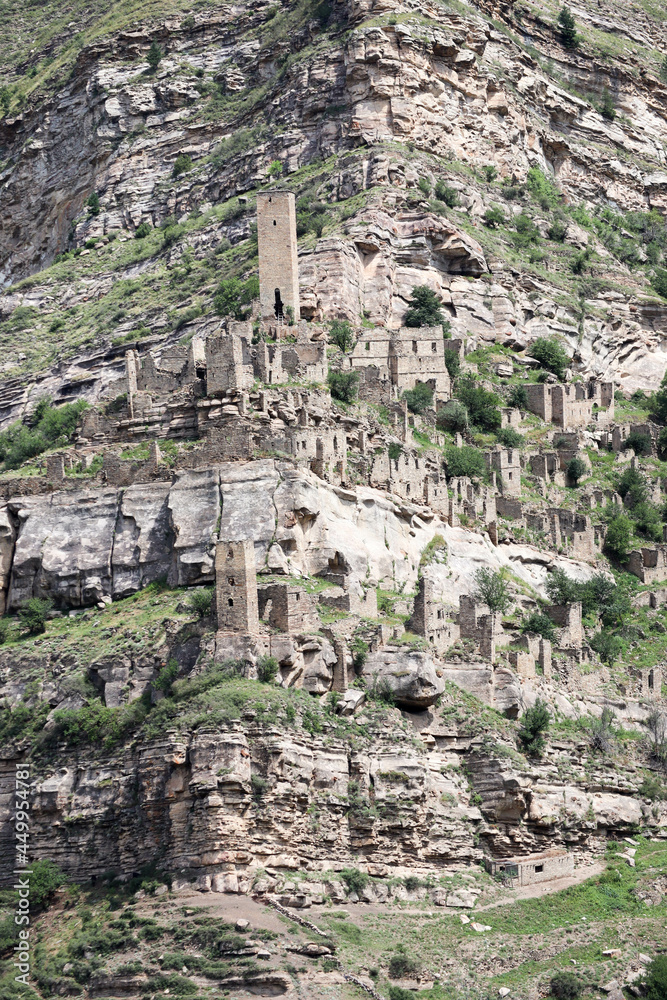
point(278, 265)
point(236, 587)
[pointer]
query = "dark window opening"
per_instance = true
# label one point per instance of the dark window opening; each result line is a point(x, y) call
point(231, 581)
point(539, 868)
point(414, 346)
point(274, 222)
point(230, 603)
point(278, 304)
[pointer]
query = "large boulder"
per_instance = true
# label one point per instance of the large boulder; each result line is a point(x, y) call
point(408, 675)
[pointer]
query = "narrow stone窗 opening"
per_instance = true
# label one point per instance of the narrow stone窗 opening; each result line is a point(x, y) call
point(230, 602)
point(278, 304)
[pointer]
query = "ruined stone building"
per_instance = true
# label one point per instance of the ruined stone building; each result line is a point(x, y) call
point(532, 868)
point(288, 608)
point(574, 405)
point(430, 618)
point(236, 599)
point(401, 359)
point(649, 565)
point(507, 463)
point(277, 249)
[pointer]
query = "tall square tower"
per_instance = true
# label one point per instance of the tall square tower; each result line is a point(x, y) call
point(278, 263)
point(236, 587)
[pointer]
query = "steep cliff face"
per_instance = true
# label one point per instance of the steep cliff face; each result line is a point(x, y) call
point(461, 146)
point(357, 114)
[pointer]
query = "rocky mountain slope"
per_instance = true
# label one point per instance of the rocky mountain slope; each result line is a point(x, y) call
point(362, 738)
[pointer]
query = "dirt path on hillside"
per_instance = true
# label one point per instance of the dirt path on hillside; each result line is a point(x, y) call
point(231, 907)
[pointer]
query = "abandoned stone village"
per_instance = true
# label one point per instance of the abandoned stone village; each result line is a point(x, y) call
point(303, 512)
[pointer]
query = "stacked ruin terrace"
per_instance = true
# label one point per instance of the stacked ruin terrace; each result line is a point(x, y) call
point(193, 446)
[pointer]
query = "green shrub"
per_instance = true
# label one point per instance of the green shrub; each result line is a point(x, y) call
point(96, 724)
point(579, 261)
point(359, 649)
point(565, 986)
point(154, 57)
point(557, 231)
point(490, 173)
point(171, 234)
point(355, 880)
point(93, 203)
point(341, 334)
point(446, 194)
point(142, 230)
point(542, 188)
point(33, 615)
point(606, 106)
point(663, 69)
point(425, 186)
point(607, 645)
point(5, 630)
point(640, 442)
point(172, 983)
point(401, 964)
point(567, 27)
point(655, 983)
point(550, 355)
point(398, 993)
point(5, 101)
point(618, 539)
point(167, 676)
point(653, 788)
point(518, 397)
point(259, 786)
point(534, 726)
point(275, 169)
point(267, 669)
point(632, 485)
point(509, 437)
point(648, 520)
point(482, 405)
point(394, 450)
point(561, 589)
point(465, 461)
point(45, 879)
point(538, 623)
point(526, 231)
point(234, 297)
point(343, 385)
point(601, 731)
point(492, 589)
point(424, 308)
point(494, 217)
point(576, 470)
point(420, 398)
point(453, 416)
point(201, 601)
point(182, 164)
point(659, 283)
point(452, 363)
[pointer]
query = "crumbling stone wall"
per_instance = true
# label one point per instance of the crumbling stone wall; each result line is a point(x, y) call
point(288, 608)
